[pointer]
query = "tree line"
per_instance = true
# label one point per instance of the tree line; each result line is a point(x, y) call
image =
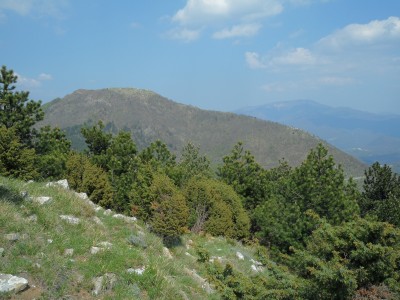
point(336, 238)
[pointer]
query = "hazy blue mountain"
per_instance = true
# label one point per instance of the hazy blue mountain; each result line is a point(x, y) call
point(368, 136)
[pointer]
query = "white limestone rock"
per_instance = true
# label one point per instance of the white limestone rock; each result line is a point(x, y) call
point(11, 283)
point(138, 271)
point(13, 237)
point(167, 253)
point(41, 200)
point(69, 252)
point(60, 183)
point(104, 283)
point(82, 196)
point(70, 219)
point(239, 255)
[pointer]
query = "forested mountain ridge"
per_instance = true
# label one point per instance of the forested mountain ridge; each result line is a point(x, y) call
point(149, 116)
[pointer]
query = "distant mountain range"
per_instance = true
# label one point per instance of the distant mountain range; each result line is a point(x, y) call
point(149, 116)
point(367, 136)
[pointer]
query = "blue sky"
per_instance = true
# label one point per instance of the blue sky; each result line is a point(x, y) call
point(214, 54)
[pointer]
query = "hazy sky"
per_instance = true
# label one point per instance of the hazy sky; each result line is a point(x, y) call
point(214, 54)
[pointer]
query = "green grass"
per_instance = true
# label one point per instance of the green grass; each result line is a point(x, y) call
point(55, 275)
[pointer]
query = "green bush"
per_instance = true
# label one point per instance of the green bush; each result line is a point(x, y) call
point(216, 209)
point(170, 212)
point(16, 160)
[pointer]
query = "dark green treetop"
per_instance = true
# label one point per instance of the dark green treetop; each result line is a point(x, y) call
point(16, 110)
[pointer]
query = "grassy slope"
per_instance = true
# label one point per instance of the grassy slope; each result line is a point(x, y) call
point(150, 116)
point(52, 275)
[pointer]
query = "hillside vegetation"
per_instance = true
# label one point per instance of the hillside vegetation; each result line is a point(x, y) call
point(150, 117)
point(236, 231)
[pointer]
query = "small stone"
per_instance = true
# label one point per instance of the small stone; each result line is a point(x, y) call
point(30, 181)
point(190, 255)
point(10, 283)
point(41, 200)
point(255, 262)
point(13, 237)
point(32, 218)
point(106, 245)
point(239, 255)
point(167, 253)
point(107, 212)
point(97, 221)
point(94, 250)
point(138, 271)
point(189, 244)
point(97, 208)
point(37, 265)
point(24, 194)
point(83, 196)
point(256, 268)
point(61, 183)
point(70, 219)
point(49, 241)
point(200, 280)
point(69, 252)
point(98, 284)
point(125, 218)
point(104, 283)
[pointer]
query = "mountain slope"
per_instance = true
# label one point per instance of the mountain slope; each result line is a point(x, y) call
point(149, 116)
point(368, 136)
point(102, 255)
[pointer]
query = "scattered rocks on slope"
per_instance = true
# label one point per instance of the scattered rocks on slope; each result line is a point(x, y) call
point(11, 283)
point(70, 219)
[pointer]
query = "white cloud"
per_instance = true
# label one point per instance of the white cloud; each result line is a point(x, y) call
point(254, 61)
point(206, 11)
point(297, 56)
point(34, 7)
point(27, 82)
point(244, 30)
point(293, 57)
point(377, 31)
point(44, 76)
point(184, 34)
point(22, 7)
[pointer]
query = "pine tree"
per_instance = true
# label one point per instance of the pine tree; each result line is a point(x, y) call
point(170, 211)
point(16, 110)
